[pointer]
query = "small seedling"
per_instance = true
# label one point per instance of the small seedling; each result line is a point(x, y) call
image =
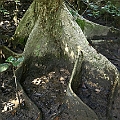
point(15, 63)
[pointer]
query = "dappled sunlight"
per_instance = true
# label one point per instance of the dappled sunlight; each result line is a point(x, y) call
point(66, 48)
point(106, 77)
point(95, 88)
point(40, 81)
point(8, 106)
point(72, 51)
point(61, 71)
point(72, 54)
point(48, 90)
point(45, 79)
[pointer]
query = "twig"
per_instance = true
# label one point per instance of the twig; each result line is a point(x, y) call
point(17, 94)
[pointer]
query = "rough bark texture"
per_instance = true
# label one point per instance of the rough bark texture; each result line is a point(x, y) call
point(54, 31)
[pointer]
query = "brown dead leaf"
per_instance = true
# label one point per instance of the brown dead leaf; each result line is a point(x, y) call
point(13, 112)
point(38, 118)
point(56, 118)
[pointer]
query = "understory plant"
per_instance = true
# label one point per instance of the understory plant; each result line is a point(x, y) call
point(14, 63)
point(99, 9)
point(3, 10)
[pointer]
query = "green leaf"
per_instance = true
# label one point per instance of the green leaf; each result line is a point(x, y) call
point(4, 67)
point(15, 61)
point(90, 15)
point(11, 59)
point(17, 1)
point(88, 10)
point(19, 61)
point(3, 11)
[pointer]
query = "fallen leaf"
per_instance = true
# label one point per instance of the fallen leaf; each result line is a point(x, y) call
point(97, 90)
point(56, 118)
point(13, 112)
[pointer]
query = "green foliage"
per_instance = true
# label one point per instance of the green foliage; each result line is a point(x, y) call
point(4, 11)
point(81, 23)
point(4, 67)
point(95, 10)
point(17, 2)
point(111, 9)
point(15, 62)
point(74, 13)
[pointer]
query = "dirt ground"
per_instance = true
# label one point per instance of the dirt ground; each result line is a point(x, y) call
point(47, 90)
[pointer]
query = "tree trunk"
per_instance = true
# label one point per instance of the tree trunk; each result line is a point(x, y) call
point(52, 33)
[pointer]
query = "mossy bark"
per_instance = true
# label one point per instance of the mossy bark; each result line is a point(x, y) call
point(55, 32)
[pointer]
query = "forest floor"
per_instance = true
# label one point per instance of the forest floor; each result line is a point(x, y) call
point(46, 95)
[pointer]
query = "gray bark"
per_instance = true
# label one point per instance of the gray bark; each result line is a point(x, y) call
point(54, 31)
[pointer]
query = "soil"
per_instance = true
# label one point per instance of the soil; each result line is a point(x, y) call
point(48, 89)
